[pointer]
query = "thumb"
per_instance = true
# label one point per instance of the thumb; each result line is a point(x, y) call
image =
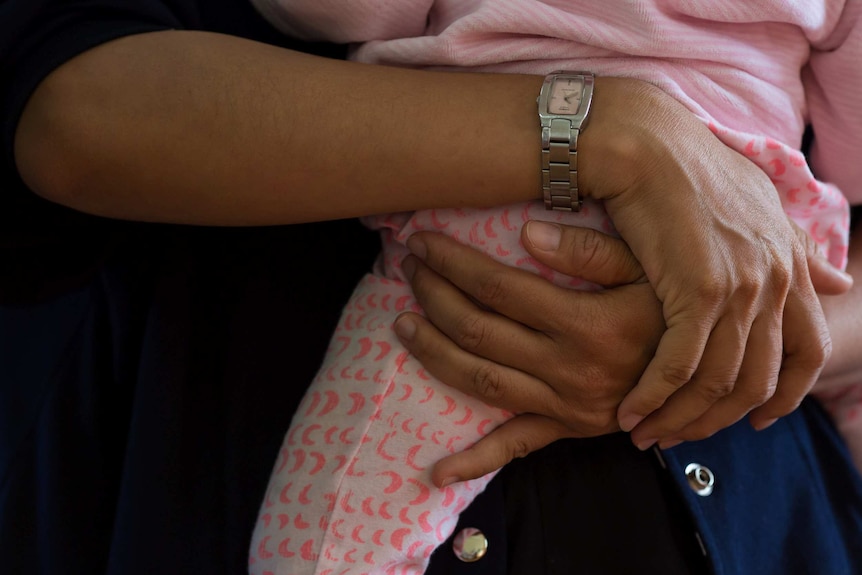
point(582, 252)
point(826, 278)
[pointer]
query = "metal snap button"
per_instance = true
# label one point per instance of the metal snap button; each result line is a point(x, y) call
point(700, 478)
point(470, 545)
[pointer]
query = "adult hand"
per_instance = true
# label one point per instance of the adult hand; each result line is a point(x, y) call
point(744, 326)
point(568, 356)
point(564, 358)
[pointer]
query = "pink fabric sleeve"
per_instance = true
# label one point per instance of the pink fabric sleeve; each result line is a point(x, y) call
point(833, 81)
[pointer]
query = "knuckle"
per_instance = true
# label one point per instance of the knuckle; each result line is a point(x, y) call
point(783, 276)
point(588, 250)
point(782, 263)
point(716, 389)
point(491, 288)
point(748, 290)
point(470, 332)
point(758, 395)
point(517, 449)
point(823, 349)
point(487, 382)
point(781, 283)
point(440, 261)
point(817, 353)
point(590, 422)
point(711, 293)
point(677, 374)
point(602, 423)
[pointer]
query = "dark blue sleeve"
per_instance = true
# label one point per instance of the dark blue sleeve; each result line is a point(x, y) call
point(147, 371)
point(37, 36)
point(43, 245)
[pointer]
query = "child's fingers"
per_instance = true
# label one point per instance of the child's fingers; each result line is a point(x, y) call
point(490, 382)
point(517, 437)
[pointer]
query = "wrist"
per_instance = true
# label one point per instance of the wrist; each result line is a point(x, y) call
point(629, 126)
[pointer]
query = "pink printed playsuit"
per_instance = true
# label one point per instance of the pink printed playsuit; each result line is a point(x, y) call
point(351, 490)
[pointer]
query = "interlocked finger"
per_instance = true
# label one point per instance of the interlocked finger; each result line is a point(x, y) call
point(473, 329)
point(756, 383)
point(715, 379)
point(582, 252)
point(517, 294)
point(677, 357)
point(807, 346)
point(492, 383)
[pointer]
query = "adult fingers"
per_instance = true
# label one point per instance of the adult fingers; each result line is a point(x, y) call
point(517, 294)
point(582, 252)
point(515, 438)
point(757, 381)
point(492, 383)
point(807, 346)
point(470, 327)
point(714, 380)
point(676, 359)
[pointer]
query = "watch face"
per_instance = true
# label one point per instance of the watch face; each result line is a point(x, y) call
point(565, 96)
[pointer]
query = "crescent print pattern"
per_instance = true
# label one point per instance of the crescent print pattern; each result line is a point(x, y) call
point(351, 489)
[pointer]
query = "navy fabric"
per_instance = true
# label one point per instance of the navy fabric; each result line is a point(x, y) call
point(786, 500)
point(143, 412)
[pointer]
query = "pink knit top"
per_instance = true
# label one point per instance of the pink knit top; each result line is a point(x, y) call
point(757, 72)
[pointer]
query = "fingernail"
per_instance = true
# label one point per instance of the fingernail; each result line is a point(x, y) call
point(669, 443)
point(645, 444)
point(405, 328)
point(409, 267)
point(449, 481)
point(417, 247)
point(630, 421)
point(764, 424)
point(544, 236)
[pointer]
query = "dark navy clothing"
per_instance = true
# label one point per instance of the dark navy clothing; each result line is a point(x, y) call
point(148, 373)
point(785, 500)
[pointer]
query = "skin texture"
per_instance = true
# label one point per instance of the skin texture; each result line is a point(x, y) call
point(191, 127)
point(590, 352)
point(845, 325)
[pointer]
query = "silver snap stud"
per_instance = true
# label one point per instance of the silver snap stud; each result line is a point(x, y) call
point(470, 545)
point(700, 478)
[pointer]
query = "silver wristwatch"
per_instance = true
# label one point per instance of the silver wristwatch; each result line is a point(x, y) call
point(564, 104)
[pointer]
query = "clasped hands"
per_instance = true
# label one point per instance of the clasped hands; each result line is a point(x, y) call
point(710, 312)
point(565, 360)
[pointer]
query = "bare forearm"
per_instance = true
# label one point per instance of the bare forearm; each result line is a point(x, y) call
point(210, 129)
point(844, 314)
